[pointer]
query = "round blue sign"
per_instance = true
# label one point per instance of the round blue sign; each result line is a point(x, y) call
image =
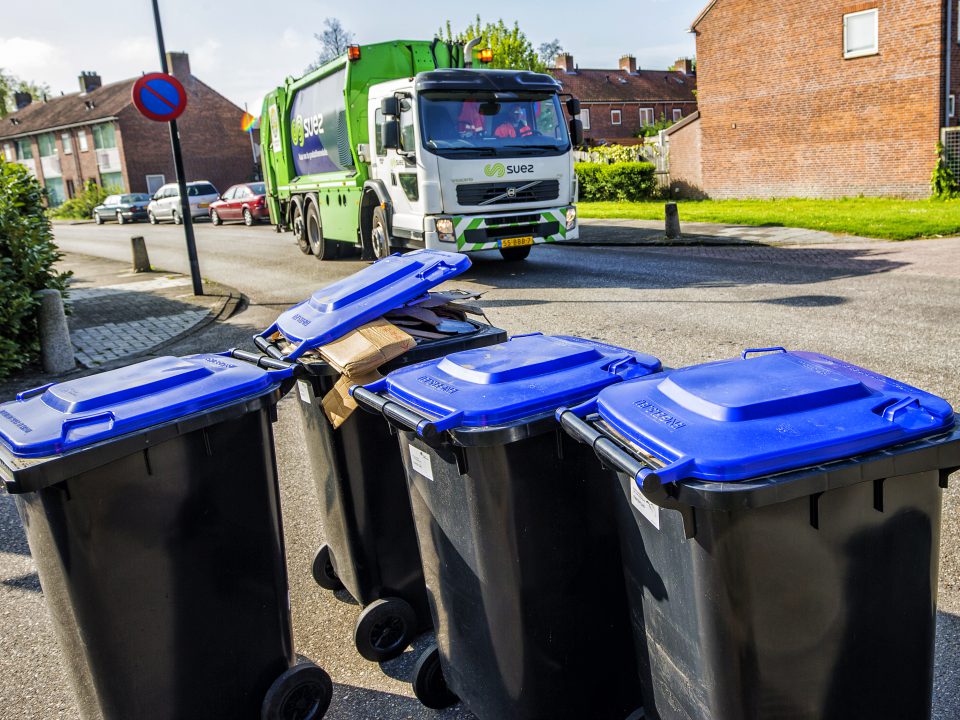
point(159, 96)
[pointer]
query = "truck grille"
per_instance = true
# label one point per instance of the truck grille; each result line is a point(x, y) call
point(484, 193)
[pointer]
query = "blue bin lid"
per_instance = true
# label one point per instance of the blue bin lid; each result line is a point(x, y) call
point(743, 418)
point(61, 417)
point(524, 377)
point(335, 310)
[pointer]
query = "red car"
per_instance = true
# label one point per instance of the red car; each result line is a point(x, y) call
point(245, 202)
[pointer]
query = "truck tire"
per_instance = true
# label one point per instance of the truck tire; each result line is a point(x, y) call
point(379, 235)
point(321, 248)
point(298, 226)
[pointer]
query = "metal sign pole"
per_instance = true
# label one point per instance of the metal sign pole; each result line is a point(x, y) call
point(178, 166)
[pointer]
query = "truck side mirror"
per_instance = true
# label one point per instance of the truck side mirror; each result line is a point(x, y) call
point(576, 132)
point(390, 134)
point(573, 106)
point(390, 106)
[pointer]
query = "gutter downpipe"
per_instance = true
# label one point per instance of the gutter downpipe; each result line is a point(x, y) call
point(946, 74)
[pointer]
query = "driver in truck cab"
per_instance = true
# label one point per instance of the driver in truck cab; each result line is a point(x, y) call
point(515, 125)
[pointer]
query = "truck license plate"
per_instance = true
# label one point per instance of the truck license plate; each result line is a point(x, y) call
point(517, 241)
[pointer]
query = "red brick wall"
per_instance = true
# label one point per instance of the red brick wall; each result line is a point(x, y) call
point(214, 146)
point(686, 166)
point(601, 128)
point(784, 114)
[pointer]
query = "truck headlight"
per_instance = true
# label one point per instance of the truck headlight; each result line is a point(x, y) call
point(445, 230)
point(571, 218)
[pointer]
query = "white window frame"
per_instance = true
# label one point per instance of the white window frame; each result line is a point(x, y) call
point(647, 117)
point(952, 105)
point(82, 140)
point(585, 117)
point(163, 181)
point(67, 142)
point(875, 50)
point(677, 114)
point(619, 120)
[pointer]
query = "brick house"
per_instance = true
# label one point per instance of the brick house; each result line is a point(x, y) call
point(821, 98)
point(617, 104)
point(97, 134)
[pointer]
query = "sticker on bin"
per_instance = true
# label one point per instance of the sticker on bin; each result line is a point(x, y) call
point(743, 418)
point(646, 508)
point(421, 462)
point(525, 377)
point(364, 296)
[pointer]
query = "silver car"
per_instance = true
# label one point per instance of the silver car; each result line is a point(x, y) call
point(165, 204)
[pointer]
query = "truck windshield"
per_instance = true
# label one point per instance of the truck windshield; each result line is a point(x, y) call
point(484, 124)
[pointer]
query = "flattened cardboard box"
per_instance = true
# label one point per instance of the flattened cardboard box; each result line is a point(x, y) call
point(357, 356)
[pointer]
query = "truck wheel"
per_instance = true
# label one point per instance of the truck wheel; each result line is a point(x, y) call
point(379, 235)
point(299, 229)
point(321, 248)
point(514, 254)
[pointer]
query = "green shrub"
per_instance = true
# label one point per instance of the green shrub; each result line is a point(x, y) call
point(943, 183)
point(623, 182)
point(81, 207)
point(27, 257)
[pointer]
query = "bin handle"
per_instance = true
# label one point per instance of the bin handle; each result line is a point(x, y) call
point(650, 482)
point(427, 429)
point(267, 363)
point(67, 425)
point(752, 351)
point(268, 347)
point(21, 396)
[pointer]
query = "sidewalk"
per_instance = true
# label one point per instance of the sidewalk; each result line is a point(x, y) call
point(616, 232)
point(117, 315)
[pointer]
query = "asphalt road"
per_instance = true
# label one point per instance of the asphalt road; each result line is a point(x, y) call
point(889, 307)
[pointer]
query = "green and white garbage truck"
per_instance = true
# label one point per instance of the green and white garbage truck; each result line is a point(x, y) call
point(403, 144)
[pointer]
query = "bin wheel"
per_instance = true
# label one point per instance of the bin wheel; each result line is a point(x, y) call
point(384, 629)
point(323, 571)
point(302, 693)
point(429, 685)
point(637, 714)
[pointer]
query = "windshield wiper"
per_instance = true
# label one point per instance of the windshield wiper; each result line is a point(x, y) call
point(531, 147)
point(480, 150)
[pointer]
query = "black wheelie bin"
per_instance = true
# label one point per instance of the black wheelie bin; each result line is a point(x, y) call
point(780, 526)
point(370, 543)
point(150, 503)
point(514, 520)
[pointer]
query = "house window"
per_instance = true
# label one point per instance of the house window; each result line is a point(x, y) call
point(677, 115)
point(67, 143)
point(155, 182)
point(585, 118)
point(9, 153)
point(82, 140)
point(104, 136)
point(112, 181)
point(952, 105)
point(861, 33)
point(24, 150)
point(614, 117)
point(646, 116)
point(47, 145)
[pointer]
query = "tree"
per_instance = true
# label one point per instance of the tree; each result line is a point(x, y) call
point(511, 48)
point(548, 52)
point(334, 42)
point(10, 84)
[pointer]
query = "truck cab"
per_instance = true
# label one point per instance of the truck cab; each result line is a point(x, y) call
point(472, 160)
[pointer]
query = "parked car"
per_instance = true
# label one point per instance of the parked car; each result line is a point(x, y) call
point(122, 208)
point(165, 204)
point(246, 202)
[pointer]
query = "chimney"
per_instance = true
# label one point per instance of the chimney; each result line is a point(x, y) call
point(684, 65)
point(565, 62)
point(629, 64)
point(89, 81)
point(179, 66)
point(22, 99)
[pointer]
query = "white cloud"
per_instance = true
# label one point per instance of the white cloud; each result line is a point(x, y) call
point(205, 60)
point(28, 57)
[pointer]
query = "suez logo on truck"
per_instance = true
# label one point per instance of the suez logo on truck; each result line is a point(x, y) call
point(304, 127)
point(499, 169)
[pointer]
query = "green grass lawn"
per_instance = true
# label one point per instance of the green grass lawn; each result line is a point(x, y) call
point(886, 218)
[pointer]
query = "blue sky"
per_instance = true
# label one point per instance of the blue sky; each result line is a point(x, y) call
point(242, 51)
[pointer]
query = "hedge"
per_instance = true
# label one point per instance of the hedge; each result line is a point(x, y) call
point(625, 181)
point(27, 257)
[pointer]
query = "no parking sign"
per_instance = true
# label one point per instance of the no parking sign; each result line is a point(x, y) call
point(159, 96)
